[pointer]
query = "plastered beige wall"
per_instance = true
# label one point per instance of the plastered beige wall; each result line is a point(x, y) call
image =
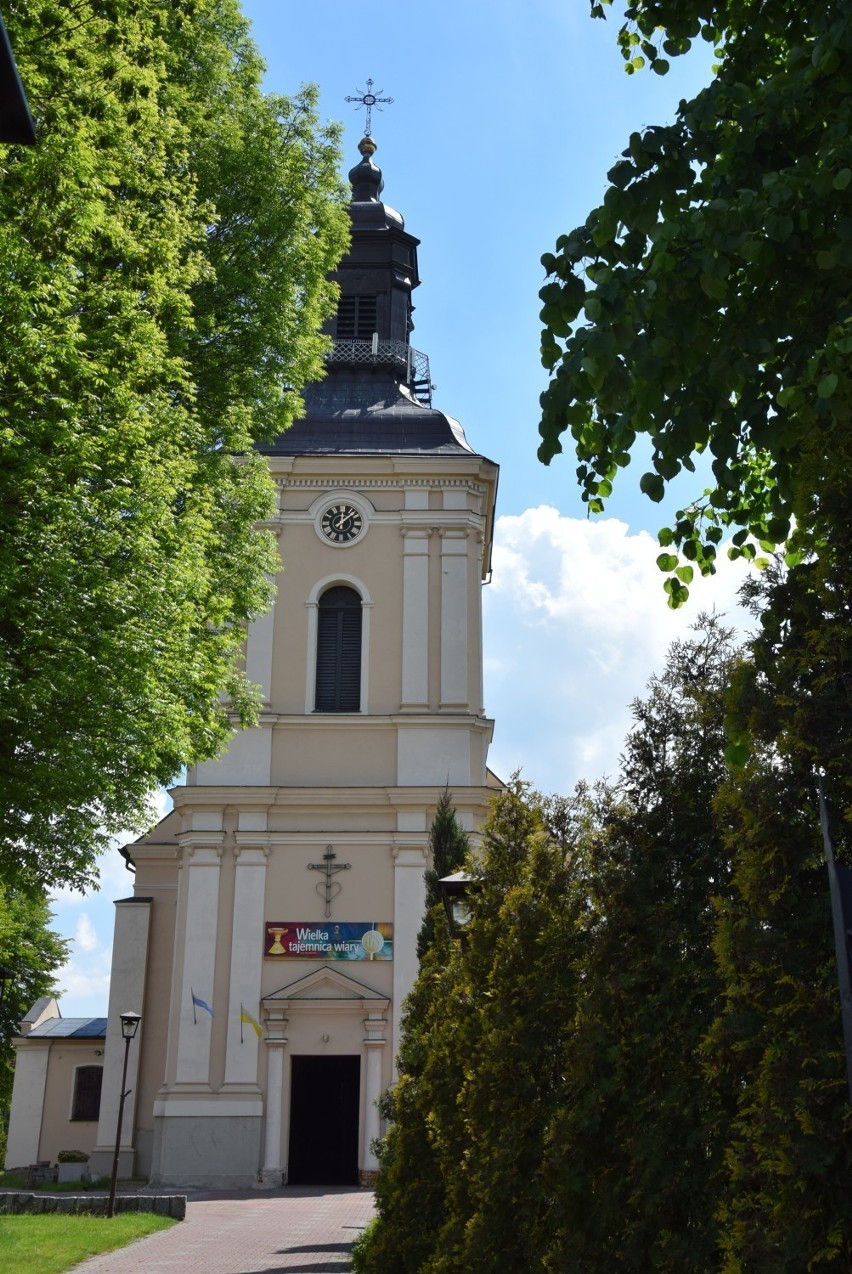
point(58, 1130)
point(348, 754)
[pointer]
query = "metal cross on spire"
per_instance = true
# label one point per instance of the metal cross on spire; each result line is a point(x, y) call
point(330, 887)
point(369, 99)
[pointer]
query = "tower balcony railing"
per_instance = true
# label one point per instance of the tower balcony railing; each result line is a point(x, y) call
point(407, 363)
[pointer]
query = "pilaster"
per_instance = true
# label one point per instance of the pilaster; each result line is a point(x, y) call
point(409, 896)
point(272, 1173)
point(374, 1043)
point(246, 958)
point(454, 651)
point(203, 867)
point(415, 620)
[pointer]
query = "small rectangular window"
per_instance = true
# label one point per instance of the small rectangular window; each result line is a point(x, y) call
point(87, 1093)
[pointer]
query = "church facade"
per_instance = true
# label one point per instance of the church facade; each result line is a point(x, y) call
point(269, 941)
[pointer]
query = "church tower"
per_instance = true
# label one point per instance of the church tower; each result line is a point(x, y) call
point(270, 940)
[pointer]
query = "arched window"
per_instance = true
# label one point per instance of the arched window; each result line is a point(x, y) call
point(338, 686)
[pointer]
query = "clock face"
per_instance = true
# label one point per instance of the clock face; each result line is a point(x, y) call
point(341, 523)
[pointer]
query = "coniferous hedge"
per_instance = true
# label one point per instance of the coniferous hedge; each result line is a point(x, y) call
point(635, 1062)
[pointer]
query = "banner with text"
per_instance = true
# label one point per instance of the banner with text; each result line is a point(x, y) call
point(298, 940)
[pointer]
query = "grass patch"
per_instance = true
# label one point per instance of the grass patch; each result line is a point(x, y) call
point(50, 1244)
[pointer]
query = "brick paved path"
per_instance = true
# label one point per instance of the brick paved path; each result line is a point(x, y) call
point(300, 1230)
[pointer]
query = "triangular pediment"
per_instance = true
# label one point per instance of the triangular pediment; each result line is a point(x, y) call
point(326, 983)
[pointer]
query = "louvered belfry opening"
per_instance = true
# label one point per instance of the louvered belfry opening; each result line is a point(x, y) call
point(339, 651)
point(357, 318)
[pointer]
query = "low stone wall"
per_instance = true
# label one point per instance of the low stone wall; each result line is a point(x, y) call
point(171, 1205)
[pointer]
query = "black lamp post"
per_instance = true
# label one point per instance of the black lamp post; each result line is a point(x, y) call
point(16, 122)
point(455, 895)
point(6, 975)
point(129, 1026)
point(840, 888)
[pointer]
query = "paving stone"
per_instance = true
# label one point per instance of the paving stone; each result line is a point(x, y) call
point(287, 1231)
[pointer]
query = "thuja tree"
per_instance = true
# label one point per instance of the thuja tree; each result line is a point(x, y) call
point(778, 1041)
point(410, 1194)
point(460, 1187)
point(635, 1153)
point(164, 248)
point(706, 302)
point(449, 844)
point(519, 974)
point(635, 1060)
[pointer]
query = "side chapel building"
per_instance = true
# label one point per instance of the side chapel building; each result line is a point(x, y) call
point(270, 939)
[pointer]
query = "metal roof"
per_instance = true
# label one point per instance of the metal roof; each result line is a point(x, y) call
point(71, 1028)
point(369, 415)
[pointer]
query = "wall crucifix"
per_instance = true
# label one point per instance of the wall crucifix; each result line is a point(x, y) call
point(330, 887)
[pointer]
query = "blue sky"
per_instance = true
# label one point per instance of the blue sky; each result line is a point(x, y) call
point(506, 118)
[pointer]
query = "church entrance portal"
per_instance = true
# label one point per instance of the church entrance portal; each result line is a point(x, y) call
point(324, 1108)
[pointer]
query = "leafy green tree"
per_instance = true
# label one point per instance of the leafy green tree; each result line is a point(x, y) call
point(33, 953)
point(410, 1192)
point(164, 250)
point(705, 303)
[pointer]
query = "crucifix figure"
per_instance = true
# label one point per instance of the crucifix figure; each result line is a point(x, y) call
point(329, 886)
point(369, 99)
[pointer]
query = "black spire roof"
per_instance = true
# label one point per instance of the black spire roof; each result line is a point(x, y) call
point(377, 395)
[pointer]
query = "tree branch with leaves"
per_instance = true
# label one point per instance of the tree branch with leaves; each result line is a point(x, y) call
point(707, 302)
point(164, 248)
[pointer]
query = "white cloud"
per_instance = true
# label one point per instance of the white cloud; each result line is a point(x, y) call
point(576, 621)
point(84, 983)
point(84, 978)
point(85, 937)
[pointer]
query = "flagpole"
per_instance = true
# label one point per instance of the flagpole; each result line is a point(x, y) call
point(194, 1017)
point(840, 888)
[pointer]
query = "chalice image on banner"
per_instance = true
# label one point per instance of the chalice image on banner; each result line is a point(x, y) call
point(372, 942)
point(276, 948)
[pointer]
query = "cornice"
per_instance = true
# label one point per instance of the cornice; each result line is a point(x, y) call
point(435, 483)
point(399, 720)
point(274, 798)
point(462, 521)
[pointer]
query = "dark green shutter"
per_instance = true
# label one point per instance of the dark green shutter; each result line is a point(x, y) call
point(87, 1093)
point(338, 687)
